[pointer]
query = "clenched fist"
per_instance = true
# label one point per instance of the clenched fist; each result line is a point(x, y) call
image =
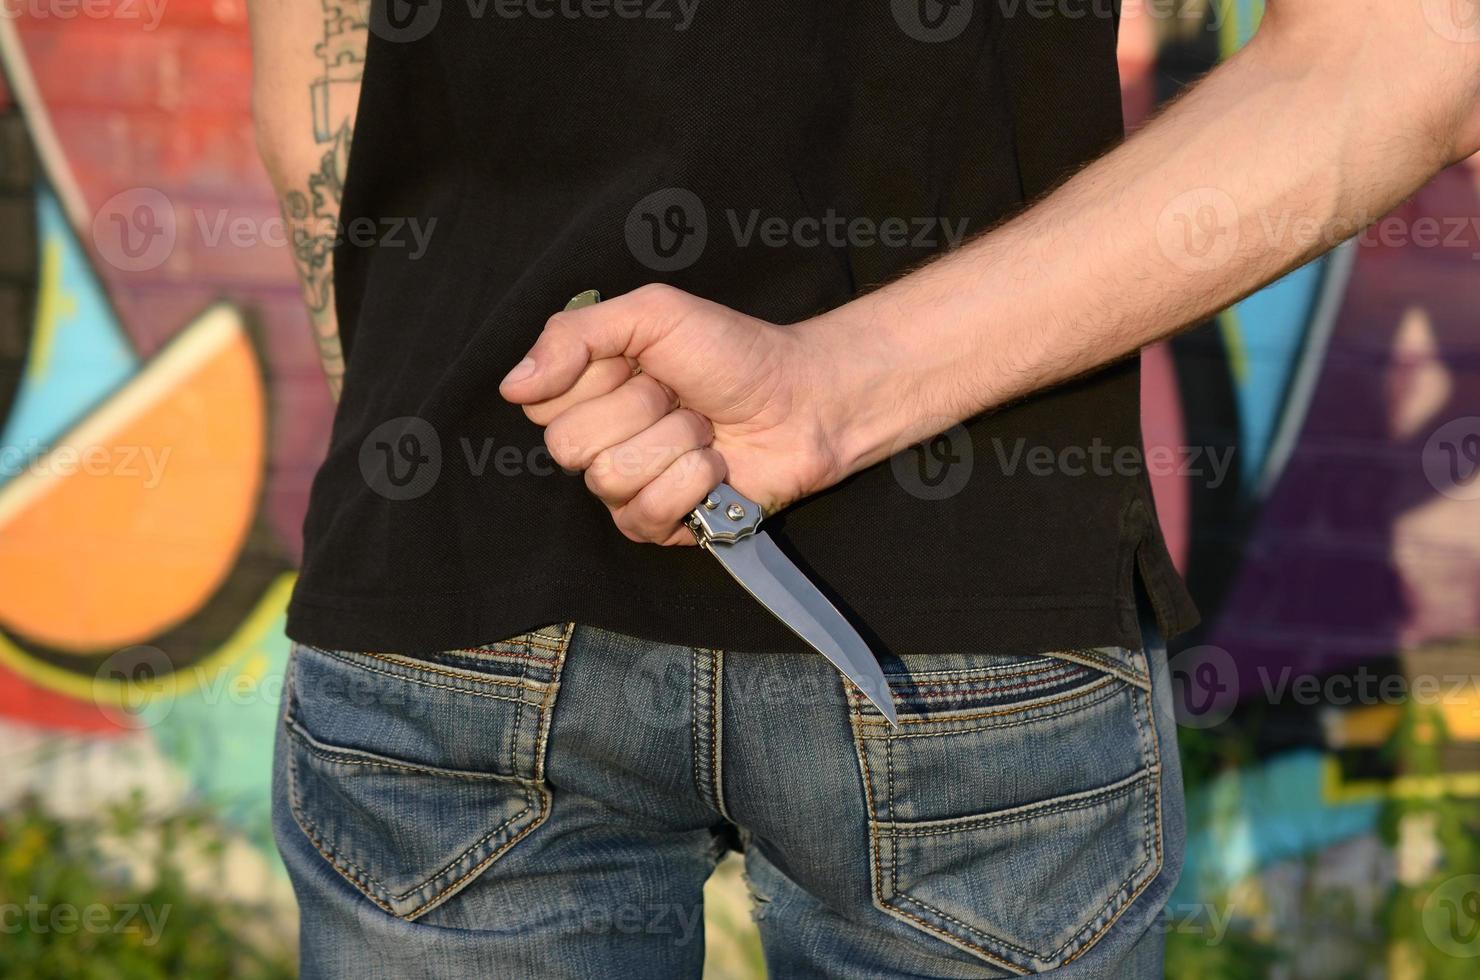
point(658, 396)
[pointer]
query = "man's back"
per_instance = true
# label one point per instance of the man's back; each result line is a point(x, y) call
point(776, 159)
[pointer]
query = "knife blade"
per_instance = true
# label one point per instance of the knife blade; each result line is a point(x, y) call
point(770, 577)
point(727, 525)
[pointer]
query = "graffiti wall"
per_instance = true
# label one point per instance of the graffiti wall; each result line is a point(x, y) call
point(1329, 704)
point(162, 412)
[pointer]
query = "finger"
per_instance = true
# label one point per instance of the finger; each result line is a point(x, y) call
point(580, 432)
point(618, 473)
point(600, 377)
point(622, 326)
point(656, 513)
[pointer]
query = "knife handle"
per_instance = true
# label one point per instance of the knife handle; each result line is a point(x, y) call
point(724, 517)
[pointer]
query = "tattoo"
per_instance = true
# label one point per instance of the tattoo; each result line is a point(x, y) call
point(313, 222)
point(312, 215)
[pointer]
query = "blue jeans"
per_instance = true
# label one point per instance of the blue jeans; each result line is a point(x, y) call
point(550, 806)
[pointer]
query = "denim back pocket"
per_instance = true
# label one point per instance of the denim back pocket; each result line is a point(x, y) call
point(411, 776)
point(1015, 812)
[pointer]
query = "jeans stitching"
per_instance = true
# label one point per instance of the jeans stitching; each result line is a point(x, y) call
point(346, 759)
point(480, 842)
point(694, 722)
point(877, 836)
point(411, 679)
point(889, 773)
point(1080, 693)
point(363, 879)
point(539, 818)
point(716, 673)
point(1052, 954)
point(514, 728)
point(1031, 811)
point(1046, 716)
point(868, 798)
point(1153, 838)
point(411, 663)
point(1109, 665)
point(502, 650)
point(1039, 666)
point(1153, 811)
point(1038, 675)
point(547, 713)
point(311, 830)
point(991, 689)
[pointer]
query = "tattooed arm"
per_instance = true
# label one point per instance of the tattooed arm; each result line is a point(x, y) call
point(307, 57)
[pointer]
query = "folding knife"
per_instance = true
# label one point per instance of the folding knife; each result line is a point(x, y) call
point(727, 525)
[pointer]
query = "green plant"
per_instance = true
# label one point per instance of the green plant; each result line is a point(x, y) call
point(1433, 915)
point(1237, 956)
point(106, 898)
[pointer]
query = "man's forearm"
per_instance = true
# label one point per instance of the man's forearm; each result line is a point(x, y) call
point(1303, 131)
point(1335, 112)
point(307, 58)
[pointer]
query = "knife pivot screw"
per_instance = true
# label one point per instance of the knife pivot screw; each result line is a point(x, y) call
point(711, 501)
point(734, 512)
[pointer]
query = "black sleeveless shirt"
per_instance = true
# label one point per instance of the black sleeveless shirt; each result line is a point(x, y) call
point(775, 157)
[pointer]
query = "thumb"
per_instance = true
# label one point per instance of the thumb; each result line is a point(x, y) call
point(572, 339)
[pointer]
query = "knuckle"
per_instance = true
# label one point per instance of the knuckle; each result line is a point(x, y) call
point(652, 512)
point(655, 396)
point(609, 372)
point(631, 527)
point(561, 445)
point(699, 428)
point(541, 414)
point(710, 466)
point(563, 335)
point(662, 306)
point(596, 479)
point(603, 476)
point(559, 324)
point(657, 295)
